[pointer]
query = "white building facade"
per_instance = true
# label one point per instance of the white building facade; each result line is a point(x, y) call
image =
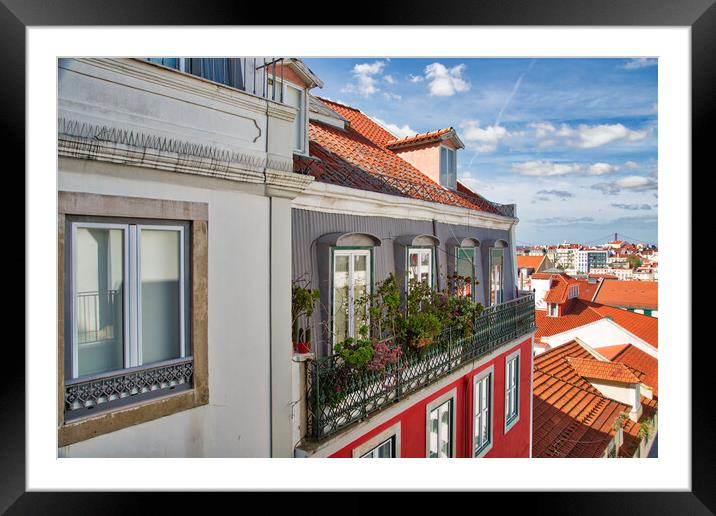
point(174, 217)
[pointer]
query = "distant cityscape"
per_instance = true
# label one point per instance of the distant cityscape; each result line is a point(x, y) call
point(617, 259)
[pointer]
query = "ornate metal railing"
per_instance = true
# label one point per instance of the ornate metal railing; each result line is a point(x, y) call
point(109, 390)
point(337, 395)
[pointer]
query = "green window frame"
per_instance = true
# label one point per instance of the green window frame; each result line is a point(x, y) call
point(465, 258)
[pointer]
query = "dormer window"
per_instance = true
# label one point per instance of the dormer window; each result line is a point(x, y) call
point(448, 167)
point(553, 310)
point(573, 291)
point(296, 97)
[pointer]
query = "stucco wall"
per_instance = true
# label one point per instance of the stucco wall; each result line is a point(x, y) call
point(236, 422)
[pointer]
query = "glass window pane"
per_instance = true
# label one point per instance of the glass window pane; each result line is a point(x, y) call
point(294, 98)
point(99, 307)
point(340, 296)
point(433, 434)
point(360, 289)
point(444, 412)
point(160, 289)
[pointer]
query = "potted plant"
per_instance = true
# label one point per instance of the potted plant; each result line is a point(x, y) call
point(303, 303)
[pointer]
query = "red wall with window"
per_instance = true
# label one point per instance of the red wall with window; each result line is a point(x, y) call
point(515, 443)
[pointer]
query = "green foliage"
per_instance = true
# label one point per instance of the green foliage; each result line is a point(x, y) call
point(634, 261)
point(646, 428)
point(356, 353)
point(303, 303)
point(619, 422)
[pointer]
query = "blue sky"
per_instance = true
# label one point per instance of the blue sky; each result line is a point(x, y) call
point(573, 142)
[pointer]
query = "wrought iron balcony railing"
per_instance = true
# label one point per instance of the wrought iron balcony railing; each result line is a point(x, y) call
point(337, 395)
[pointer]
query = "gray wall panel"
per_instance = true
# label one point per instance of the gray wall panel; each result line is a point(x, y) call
point(308, 226)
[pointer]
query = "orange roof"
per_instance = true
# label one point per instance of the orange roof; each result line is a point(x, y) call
point(609, 352)
point(643, 365)
point(584, 312)
point(631, 294)
point(529, 262)
point(419, 138)
point(579, 315)
point(350, 158)
point(587, 289)
point(570, 417)
point(643, 326)
point(362, 124)
point(601, 370)
point(560, 288)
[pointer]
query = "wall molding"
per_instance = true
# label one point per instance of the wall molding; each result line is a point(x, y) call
point(328, 198)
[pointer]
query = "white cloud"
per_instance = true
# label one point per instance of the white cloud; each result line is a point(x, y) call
point(633, 183)
point(364, 74)
point(444, 82)
point(597, 135)
point(632, 207)
point(641, 62)
point(487, 138)
point(585, 136)
point(542, 129)
point(550, 168)
point(389, 79)
point(399, 131)
point(631, 165)
point(391, 96)
point(546, 168)
point(415, 78)
point(599, 169)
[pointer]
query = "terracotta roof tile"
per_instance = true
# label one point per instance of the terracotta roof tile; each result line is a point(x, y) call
point(632, 294)
point(421, 137)
point(643, 326)
point(560, 288)
point(609, 352)
point(361, 124)
point(643, 365)
point(601, 370)
point(529, 262)
point(584, 312)
point(350, 158)
point(574, 420)
point(579, 315)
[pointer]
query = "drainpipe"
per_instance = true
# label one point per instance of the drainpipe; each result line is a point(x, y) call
point(437, 254)
point(513, 251)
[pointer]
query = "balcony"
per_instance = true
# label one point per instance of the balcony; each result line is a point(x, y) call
point(337, 396)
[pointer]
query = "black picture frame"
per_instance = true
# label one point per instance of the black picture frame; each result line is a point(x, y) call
point(700, 15)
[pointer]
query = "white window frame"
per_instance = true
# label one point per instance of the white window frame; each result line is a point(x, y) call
point(352, 331)
point(131, 291)
point(501, 292)
point(448, 397)
point(489, 375)
point(302, 112)
point(392, 433)
point(553, 309)
point(451, 180)
point(420, 251)
point(511, 419)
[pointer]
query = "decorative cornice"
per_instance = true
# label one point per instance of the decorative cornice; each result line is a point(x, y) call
point(286, 184)
point(330, 198)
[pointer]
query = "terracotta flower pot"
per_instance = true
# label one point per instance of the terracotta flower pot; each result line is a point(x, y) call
point(302, 347)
